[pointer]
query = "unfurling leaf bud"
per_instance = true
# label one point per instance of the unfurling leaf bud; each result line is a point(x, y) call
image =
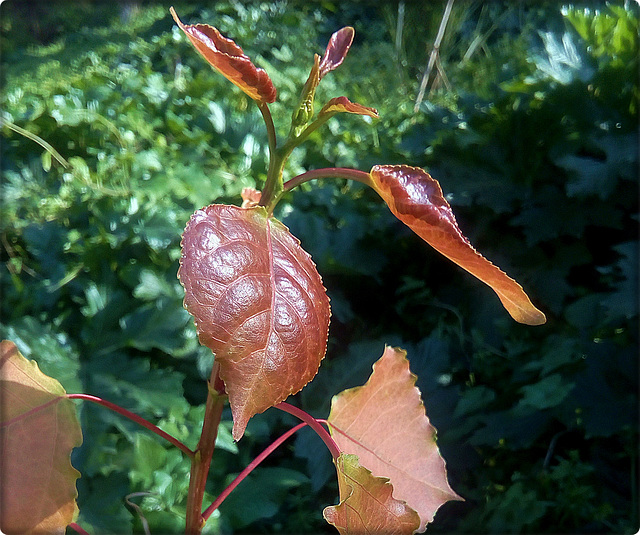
point(334, 55)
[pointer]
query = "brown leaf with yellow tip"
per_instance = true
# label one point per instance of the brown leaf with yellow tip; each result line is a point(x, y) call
point(417, 200)
point(343, 104)
point(229, 59)
point(38, 431)
point(367, 504)
point(385, 424)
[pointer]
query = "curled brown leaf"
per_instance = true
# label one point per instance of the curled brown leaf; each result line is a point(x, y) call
point(229, 59)
point(417, 200)
point(343, 104)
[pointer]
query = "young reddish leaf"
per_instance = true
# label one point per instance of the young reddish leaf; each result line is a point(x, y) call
point(416, 199)
point(339, 104)
point(384, 423)
point(337, 49)
point(250, 197)
point(38, 430)
point(229, 59)
point(334, 55)
point(366, 503)
point(258, 303)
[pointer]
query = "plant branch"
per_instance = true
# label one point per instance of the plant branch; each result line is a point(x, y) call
point(313, 423)
point(134, 417)
point(33, 137)
point(273, 184)
point(204, 451)
point(293, 142)
point(271, 130)
point(250, 467)
point(329, 172)
point(434, 54)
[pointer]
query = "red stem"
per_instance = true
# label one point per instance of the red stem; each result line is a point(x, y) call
point(250, 467)
point(78, 529)
point(313, 423)
point(202, 459)
point(329, 172)
point(134, 417)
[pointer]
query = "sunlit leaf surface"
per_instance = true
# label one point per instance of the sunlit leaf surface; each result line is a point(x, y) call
point(229, 59)
point(417, 200)
point(343, 104)
point(384, 423)
point(258, 303)
point(367, 504)
point(38, 430)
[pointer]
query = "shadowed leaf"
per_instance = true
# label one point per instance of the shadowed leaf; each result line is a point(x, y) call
point(258, 303)
point(38, 431)
point(417, 200)
point(384, 423)
point(229, 59)
point(366, 503)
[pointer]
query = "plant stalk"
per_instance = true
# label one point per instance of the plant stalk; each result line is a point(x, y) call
point(435, 51)
point(204, 451)
point(313, 424)
point(273, 184)
point(329, 172)
point(134, 417)
point(250, 467)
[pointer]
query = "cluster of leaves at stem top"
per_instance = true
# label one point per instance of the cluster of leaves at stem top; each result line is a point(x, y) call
point(258, 301)
point(260, 305)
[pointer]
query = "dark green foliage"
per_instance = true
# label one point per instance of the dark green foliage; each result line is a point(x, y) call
point(536, 147)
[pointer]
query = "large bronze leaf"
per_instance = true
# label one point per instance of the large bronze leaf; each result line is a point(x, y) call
point(258, 303)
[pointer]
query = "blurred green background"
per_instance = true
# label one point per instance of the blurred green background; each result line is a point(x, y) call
point(531, 126)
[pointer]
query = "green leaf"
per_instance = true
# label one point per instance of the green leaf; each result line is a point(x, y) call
point(54, 350)
point(474, 400)
point(260, 495)
point(546, 393)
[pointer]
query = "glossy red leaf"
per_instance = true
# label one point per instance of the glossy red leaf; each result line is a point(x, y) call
point(258, 303)
point(229, 59)
point(417, 200)
point(385, 424)
point(337, 49)
point(343, 104)
point(38, 430)
point(367, 504)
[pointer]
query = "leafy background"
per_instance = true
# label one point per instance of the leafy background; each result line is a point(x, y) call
point(533, 134)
